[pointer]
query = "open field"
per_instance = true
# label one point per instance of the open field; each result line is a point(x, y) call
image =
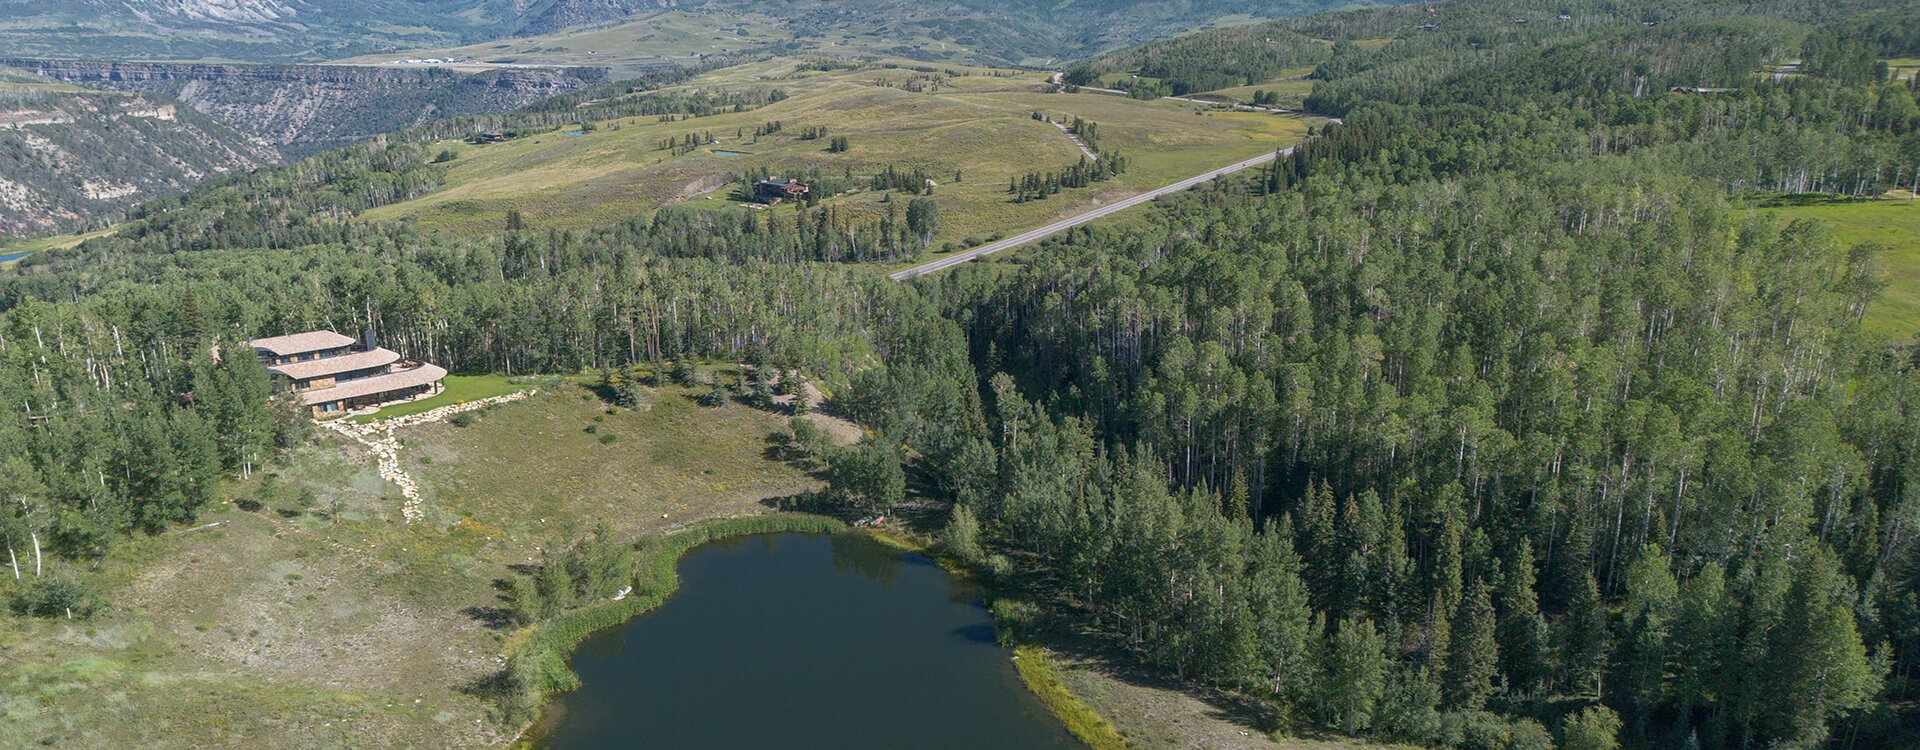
point(460, 389)
point(288, 627)
point(1903, 68)
point(978, 127)
point(1292, 91)
point(20, 250)
point(1893, 222)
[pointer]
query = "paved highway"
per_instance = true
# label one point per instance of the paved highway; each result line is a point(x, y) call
point(1069, 223)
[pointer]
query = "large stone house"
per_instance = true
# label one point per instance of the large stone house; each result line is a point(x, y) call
point(333, 373)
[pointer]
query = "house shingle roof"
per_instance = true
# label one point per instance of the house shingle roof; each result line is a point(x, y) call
point(392, 381)
point(314, 368)
point(301, 343)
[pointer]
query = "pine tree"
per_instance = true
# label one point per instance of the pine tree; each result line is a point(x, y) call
point(1445, 585)
point(1651, 594)
point(962, 535)
point(1703, 643)
point(1523, 632)
point(554, 587)
point(1815, 668)
point(1584, 641)
point(1475, 655)
point(1277, 602)
point(1355, 676)
point(1596, 728)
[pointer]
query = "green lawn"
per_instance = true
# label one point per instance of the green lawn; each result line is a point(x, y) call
point(460, 389)
point(1893, 222)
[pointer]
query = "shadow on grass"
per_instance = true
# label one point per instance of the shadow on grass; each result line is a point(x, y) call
point(1065, 629)
point(1103, 654)
point(1813, 199)
point(493, 618)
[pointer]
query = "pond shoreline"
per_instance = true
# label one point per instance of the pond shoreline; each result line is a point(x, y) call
point(549, 645)
point(545, 647)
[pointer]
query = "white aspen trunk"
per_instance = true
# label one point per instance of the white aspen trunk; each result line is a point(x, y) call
point(36, 554)
point(14, 560)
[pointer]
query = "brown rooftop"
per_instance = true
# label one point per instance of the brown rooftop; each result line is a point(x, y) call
point(314, 368)
point(301, 343)
point(392, 381)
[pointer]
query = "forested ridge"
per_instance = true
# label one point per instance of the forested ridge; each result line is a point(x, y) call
point(1491, 418)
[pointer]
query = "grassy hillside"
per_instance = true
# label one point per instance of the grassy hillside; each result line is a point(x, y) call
point(1893, 223)
point(71, 157)
point(318, 619)
point(979, 124)
point(1205, 61)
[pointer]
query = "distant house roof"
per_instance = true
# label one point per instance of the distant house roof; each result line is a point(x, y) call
point(392, 381)
point(314, 368)
point(301, 343)
point(778, 181)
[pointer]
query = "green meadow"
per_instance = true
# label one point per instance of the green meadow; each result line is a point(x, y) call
point(1893, 222)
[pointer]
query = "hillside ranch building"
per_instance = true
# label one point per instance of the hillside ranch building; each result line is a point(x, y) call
point(334, 373)
point(775, 189)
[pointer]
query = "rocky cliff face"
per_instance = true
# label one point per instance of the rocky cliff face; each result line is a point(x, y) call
point(71, 160)
point(569, 14)
point(303, 109)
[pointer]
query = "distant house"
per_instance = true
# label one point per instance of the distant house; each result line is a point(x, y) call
point(1429, 27)
point(482, 139)
point(1699, 90)
point(334, 373)
point(776, 189)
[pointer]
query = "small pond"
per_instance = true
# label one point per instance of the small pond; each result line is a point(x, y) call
point(803, 641)
point(11, 257)
point(724, 152)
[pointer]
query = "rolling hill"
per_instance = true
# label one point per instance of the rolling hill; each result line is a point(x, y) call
point(974, 124)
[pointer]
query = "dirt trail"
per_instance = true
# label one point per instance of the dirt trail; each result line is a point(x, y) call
point(379, 440)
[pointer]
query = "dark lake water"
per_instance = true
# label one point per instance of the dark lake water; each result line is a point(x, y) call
point(803, 641)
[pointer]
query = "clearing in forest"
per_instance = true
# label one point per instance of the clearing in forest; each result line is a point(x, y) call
point(1892, 222)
